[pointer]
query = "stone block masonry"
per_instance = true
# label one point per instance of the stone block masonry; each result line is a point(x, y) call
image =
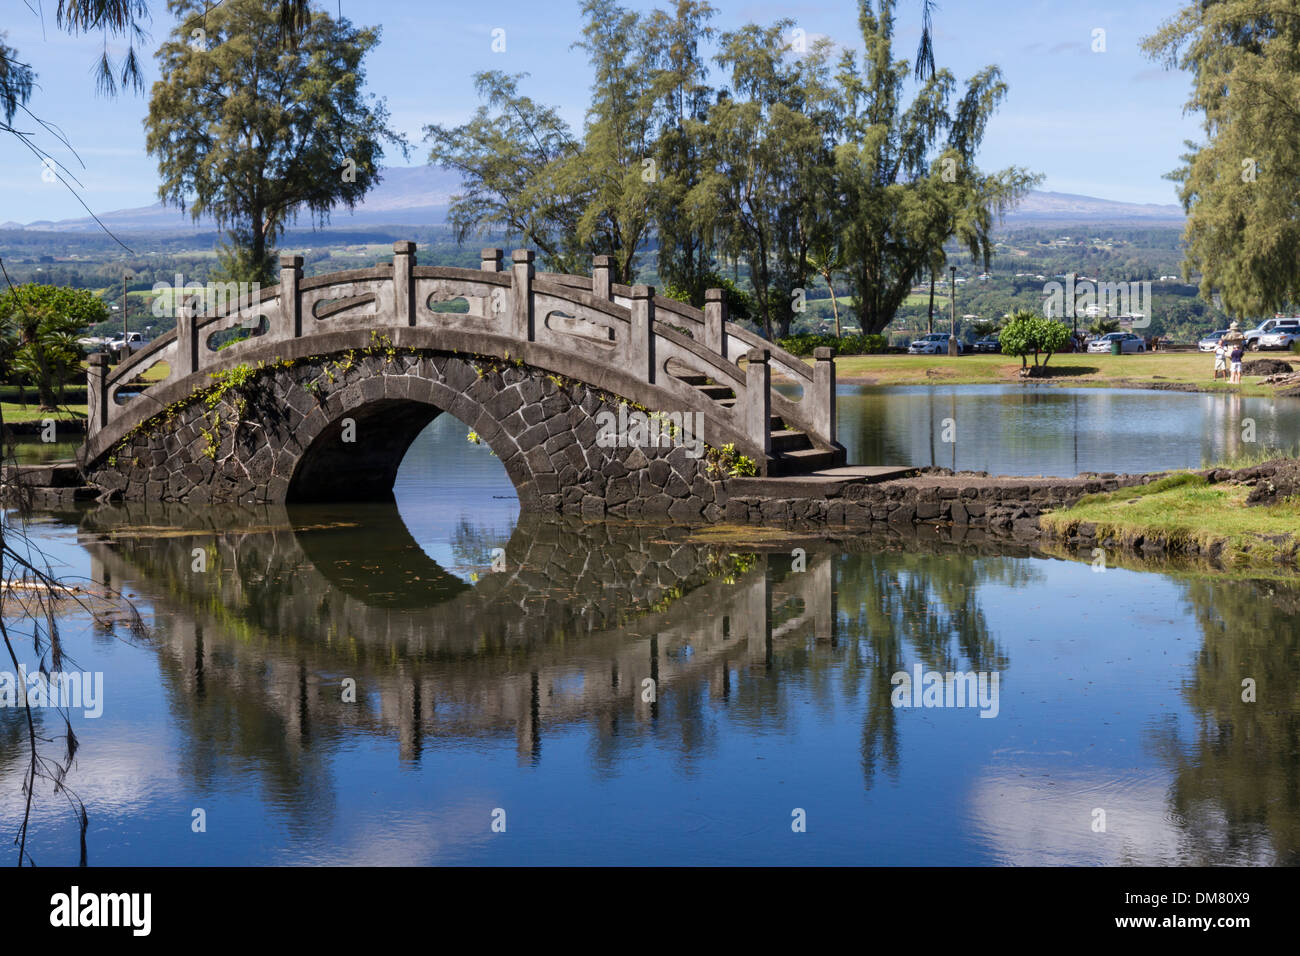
point(335, 427)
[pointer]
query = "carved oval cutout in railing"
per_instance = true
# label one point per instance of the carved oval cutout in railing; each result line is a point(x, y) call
point(156, 372)
point(235, 334)
point(596, 333)
point(788, 388)
point(457, 306)
point(329, 308)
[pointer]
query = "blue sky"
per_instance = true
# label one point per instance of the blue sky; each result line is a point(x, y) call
point(1106, 124)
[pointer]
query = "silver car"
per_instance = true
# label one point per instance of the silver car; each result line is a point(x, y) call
point(1211, 341)
point(1128, 342)
point(1279, 336)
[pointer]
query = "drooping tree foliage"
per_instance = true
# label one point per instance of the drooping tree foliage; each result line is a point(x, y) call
point(907, 175)
point(1241, 186)
point(796, 170)
point(116, 20)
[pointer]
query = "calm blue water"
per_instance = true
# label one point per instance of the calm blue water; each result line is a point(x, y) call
point(1019, 430)
point(521, 690)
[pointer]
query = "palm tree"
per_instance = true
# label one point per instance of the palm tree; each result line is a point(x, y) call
point(826, 258)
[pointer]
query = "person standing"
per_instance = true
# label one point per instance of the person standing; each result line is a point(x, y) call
point(1220, 360)
point(1235, 356)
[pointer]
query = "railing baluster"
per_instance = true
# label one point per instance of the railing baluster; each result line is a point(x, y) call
point(758, 399)
point(521, 294)
point(187, 341)
point(96, 393)
point(822, 408)
point(715, 322)
point(601, 273)
point(490, 260)
point(403, 282)
point(290, 297)
point(640, 346)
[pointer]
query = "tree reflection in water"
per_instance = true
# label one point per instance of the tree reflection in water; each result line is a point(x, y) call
point(254, 651)
point(1236, 790)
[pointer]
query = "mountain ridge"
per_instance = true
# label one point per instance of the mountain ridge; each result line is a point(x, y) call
point(421, 195)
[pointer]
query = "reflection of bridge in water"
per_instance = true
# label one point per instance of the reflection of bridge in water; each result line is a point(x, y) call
point(253, 651)
point(261, 641)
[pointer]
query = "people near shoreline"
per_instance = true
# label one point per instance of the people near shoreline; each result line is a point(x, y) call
point(1234, 336)
point(1235, 343)
point(1220, 361)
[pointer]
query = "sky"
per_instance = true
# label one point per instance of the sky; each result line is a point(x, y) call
point(1108, 123)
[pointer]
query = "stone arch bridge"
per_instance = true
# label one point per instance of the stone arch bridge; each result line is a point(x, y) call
point(342, 371)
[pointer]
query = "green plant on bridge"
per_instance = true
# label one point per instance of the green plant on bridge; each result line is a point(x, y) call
point(726, 462)
point(382, 343)
point(212, 438)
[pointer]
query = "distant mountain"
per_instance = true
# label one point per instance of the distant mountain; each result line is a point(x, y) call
point(405, 196)
point(1064, 208)
point(420, 195)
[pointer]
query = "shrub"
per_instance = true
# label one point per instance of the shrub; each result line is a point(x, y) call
point(1027, 332)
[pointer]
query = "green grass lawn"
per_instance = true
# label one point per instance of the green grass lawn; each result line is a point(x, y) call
point(1184, 508)
point(1113, 371)
point(13, 412)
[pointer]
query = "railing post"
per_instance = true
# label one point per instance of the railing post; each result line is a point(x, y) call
point(823, 404)
point(187, 339)
point(758, 399)
point(290, 300)
point(404, 282)
point(96, 392)
point(521, 294)
point(640, 350)
point(490, 260)
point(602, 268)
point(715, 322)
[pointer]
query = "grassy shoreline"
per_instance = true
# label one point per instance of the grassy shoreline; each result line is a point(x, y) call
point(1184, 513)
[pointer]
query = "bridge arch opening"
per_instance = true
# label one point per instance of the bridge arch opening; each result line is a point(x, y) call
point(356, 456)
point(359, 455)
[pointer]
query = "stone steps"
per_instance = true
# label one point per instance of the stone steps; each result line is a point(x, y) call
point(793, 453)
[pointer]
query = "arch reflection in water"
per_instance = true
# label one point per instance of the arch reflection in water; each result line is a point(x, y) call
point(580, 618)
point(543, 665)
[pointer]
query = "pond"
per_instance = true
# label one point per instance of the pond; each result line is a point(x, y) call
point(395, 684)
point(1044, 430)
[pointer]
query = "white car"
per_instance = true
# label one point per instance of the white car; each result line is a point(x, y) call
point(1280, 336)
point(936, 343)
point(1267, 326)
point(133, 342)
point(1210, 342)
point(1128, 342)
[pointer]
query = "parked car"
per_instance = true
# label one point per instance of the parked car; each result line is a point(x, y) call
point(1210, 342)
point(1128, 342)
point(936, 343)
point(133, 342)
point(987, 344)
point(1280, 336)
point(1267, 326)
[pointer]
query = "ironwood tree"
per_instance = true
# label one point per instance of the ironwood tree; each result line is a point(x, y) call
point(1241, 185)
point(254, 134)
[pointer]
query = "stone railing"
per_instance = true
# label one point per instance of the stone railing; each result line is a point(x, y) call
point(663, 343)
